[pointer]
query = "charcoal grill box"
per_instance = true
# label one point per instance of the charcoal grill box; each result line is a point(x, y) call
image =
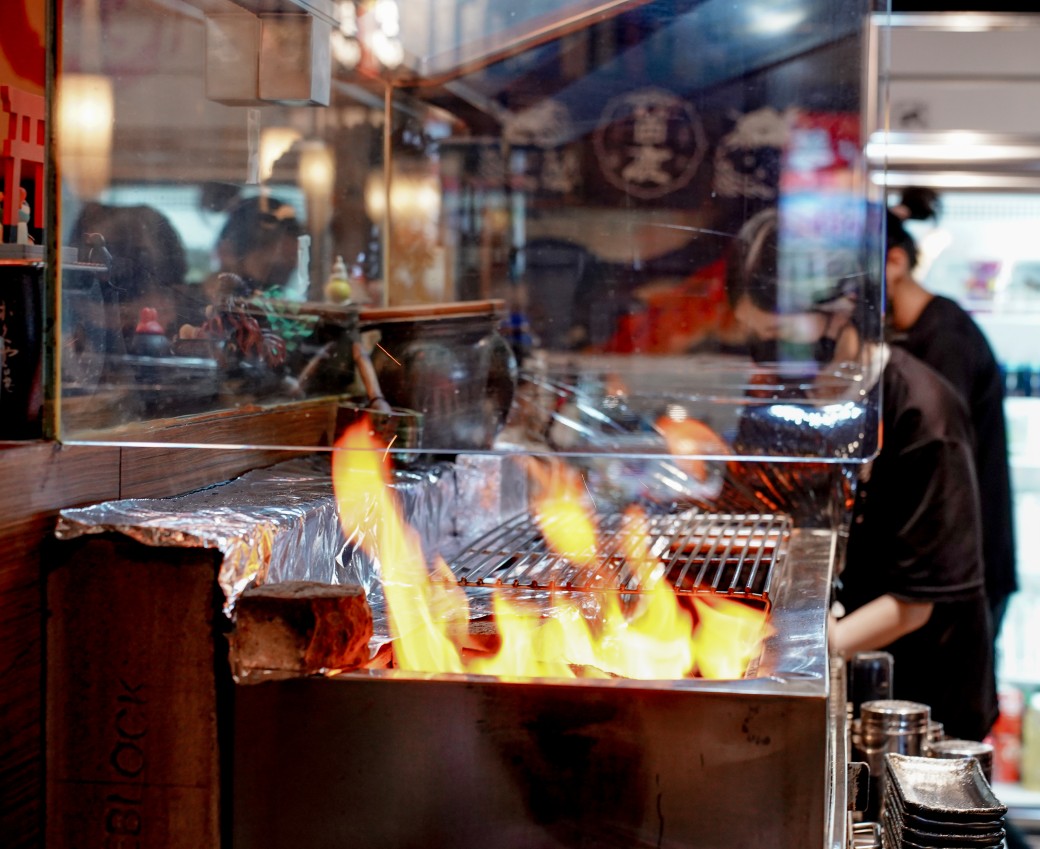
point(386, 758)
point(139, 689)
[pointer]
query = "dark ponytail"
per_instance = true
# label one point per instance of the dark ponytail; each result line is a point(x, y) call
point(919, 204)
point(915, 204)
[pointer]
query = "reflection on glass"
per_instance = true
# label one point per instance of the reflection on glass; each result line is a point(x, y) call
point(85, 120)
point(576, 189)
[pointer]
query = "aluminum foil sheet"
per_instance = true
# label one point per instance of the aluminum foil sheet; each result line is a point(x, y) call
point(280, 523)
point(494, 486)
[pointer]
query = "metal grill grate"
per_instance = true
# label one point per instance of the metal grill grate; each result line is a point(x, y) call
point(722, 554)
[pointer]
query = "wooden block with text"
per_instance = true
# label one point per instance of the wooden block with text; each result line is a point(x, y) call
point(137, 691)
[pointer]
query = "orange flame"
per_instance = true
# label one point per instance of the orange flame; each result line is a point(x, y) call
point(562, 515)
point(728, 636)
point(648, 634)
point(361, 481)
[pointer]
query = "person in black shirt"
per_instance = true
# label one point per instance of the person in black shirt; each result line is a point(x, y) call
point(912, 582)
point(913, 555)
point(938, 331)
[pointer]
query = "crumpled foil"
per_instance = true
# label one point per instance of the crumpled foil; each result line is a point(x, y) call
point(493, 487)
point(281, 523)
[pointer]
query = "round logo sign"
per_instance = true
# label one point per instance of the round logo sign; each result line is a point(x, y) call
point(649, 142)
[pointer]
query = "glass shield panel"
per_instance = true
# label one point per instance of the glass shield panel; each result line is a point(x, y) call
point(640, 234)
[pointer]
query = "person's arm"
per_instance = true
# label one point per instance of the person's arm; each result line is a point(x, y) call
point(877, 624)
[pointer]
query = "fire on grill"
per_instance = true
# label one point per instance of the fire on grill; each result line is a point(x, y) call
point(573, 594)
point(468, 740)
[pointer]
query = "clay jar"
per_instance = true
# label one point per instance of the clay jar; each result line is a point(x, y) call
point(449, 363)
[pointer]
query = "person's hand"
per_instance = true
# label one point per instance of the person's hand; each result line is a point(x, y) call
point(876, 625)
point(832, 640)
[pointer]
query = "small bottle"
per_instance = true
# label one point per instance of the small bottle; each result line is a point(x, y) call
point(337, 289)
point(149, 336)
point(1006, 736)
point(1030, 767)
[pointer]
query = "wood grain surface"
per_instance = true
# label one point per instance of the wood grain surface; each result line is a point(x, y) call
point(39, 479)
point(42, 478)
point(136, 679)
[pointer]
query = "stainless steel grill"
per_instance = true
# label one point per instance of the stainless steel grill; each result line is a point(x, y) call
point(475, 762)
point(734, 555)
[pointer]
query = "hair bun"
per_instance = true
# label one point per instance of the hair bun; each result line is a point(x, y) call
point(919, 204)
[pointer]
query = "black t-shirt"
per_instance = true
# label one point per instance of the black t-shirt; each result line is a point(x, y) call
point(946, 338)
point(915, 535)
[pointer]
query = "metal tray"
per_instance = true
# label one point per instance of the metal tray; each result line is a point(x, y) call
point(951, 790)
point(940, 835)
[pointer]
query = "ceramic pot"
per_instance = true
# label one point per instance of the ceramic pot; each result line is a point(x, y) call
point(449, 363)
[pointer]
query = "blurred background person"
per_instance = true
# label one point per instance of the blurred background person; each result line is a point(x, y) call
point(259, 246)
point(148, 261)
point(912, 582)
point(940, 332)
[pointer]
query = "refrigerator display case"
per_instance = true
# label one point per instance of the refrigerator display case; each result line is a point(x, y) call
point(981, 253)
point(565, 181)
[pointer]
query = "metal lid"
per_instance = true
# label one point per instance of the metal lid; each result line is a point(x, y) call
point(895, 715)
point(962, 749)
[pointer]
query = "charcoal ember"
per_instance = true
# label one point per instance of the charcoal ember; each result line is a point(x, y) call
point(300, 627)
point(482, 638)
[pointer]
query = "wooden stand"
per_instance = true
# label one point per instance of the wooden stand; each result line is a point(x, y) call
point(137, 680)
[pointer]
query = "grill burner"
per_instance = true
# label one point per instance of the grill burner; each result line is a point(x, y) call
point(480, 762)
point(734, 555)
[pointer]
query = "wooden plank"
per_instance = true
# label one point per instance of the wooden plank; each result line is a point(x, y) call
point(49, 476)
point(21, 815)
point(21, 726)
point(160, 471)
point(42, 478)
point(379, 315)
point(253, 425)
point(136, 675)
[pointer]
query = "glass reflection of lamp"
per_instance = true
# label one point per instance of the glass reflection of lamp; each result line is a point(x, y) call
point(85, 115)
point(415, 199)
point(275, 143)
point(368, 35)
point(346, 48)
point(316, 175)
point(409, 226)
point(86, 110)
